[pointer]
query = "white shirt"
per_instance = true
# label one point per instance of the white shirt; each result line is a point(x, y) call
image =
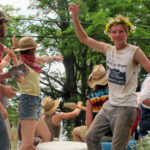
point(122, 76)
point(145, 91)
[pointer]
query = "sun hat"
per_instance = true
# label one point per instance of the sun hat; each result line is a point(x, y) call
point(26, 43)
point(3, 17)
point(49, 105)
point(98, 76)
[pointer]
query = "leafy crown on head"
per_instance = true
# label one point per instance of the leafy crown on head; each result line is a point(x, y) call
point(119, 19)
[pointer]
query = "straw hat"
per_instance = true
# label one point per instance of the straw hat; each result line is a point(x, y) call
point(26, 43)
point(49, 105)
point(3, 17)
point(98, 76)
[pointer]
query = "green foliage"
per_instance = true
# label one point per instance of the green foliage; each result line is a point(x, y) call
point(57, 35)
point(79, 59)
point(68, 126)
point(144, 143)
point(13, 114)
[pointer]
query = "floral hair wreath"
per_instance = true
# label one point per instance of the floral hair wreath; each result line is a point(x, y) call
point(119, 19)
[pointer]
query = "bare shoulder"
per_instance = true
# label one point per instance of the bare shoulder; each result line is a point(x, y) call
point(139, 55)
point(140, 58)
point(56, 119)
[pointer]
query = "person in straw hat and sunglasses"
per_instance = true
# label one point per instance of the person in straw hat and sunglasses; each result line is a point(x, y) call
point(99, 83)
point(53, 118)
point(30, 102)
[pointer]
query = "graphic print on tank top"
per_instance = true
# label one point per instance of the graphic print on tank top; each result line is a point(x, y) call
point(117, 74)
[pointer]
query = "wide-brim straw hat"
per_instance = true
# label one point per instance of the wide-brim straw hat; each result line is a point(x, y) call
point(49, 105)
point(98, 76)
point(26, 43)
point(4, 17)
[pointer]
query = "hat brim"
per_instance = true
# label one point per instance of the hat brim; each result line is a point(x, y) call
point(24, 49)
point(92, 82)
point(53, 109)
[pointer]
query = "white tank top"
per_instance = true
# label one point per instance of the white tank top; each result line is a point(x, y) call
point(122, 76)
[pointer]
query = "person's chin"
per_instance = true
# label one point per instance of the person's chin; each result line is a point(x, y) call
point(116, 42)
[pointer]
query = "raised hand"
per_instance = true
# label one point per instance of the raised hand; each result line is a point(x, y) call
point(74, 9)
point(9, 52)
point(12, 56)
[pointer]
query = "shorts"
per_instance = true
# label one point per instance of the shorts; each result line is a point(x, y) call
point(29, 107)
point(4, 139)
